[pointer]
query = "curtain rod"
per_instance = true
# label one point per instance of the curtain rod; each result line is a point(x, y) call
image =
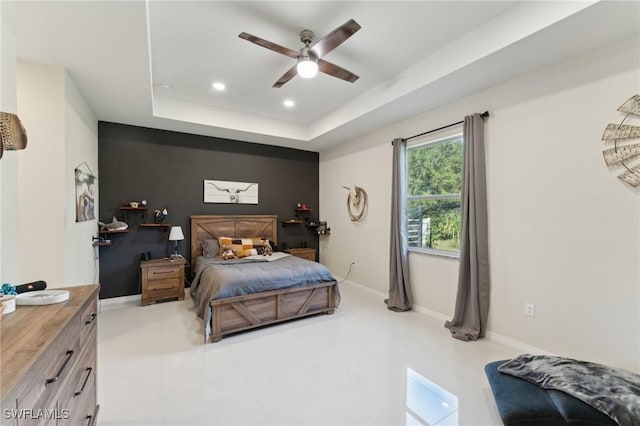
point(483, 115)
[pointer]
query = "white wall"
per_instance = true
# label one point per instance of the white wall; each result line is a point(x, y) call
point(41, 175)
point(564, 231)
point(81, 146)
point(62, 133)
point(9, 218)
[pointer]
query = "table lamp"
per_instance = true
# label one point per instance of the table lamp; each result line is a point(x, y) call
point(176, 235)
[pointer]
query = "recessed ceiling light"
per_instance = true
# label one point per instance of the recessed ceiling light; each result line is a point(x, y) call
point(219, 86)
point(289, 103)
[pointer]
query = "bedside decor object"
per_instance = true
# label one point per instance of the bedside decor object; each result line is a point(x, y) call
point(323, 228)
point(85, 198)
point(42, 297)
point(115, 225)
point(622, 154)
point(8, 289)
point(134, 204)
point(12, 134)
point(7, 298)
point(356, 202)
point(176, 235)
point(219, 191)
point(160, 215)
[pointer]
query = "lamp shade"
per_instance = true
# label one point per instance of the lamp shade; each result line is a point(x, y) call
point(176, 234)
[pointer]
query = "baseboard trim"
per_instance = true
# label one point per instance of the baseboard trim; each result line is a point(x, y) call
point(489, 335)
point(119, 302)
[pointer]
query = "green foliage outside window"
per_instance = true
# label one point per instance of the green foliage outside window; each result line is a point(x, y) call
point(434, 185)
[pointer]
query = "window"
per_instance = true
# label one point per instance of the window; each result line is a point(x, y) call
point(434, 183)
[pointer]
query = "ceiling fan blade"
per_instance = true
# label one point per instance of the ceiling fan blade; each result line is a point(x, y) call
point(292, 72)
point(336, 71)
point(269, 45)
point(335, 38)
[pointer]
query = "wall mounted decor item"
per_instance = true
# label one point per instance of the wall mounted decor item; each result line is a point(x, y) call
point(85, 195)
point(220, 191)
point(624, 153)
point(12, 133)
point(356, 202)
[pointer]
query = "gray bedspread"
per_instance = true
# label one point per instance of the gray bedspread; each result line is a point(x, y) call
point(217, 279)
point(613, 391)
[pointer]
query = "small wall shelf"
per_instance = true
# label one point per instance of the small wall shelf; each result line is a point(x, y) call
point(133, 208)
point(128, 209)
point(155, 225)
point(292, 221)
point(101, 243)
point(117, 231)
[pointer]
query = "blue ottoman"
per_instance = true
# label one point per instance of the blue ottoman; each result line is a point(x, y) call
point(521, 403)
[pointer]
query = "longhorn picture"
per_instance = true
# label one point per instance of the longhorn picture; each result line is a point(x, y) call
point(217, 191)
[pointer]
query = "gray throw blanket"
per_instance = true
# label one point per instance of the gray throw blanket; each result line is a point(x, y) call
point(613, 391)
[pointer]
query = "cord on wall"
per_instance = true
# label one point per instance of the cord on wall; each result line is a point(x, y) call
point(352, 264)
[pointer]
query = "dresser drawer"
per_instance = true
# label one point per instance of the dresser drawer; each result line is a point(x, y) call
point(88, 320)
point(163, 272)
point(52, 369)
point(78, 395)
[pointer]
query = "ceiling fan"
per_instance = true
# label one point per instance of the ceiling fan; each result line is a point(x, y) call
point(309, 59)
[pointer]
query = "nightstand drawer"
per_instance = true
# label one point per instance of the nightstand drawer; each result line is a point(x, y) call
point(162, 272)
point(168, 284)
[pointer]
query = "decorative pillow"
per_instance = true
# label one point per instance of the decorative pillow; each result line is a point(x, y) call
point(242, 247)
point(210, 248)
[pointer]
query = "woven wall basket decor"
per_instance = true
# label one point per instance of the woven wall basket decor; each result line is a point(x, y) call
point(12, 133)
point(624, 153)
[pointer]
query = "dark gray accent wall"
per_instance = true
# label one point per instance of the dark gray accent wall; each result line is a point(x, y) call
point(168, 169)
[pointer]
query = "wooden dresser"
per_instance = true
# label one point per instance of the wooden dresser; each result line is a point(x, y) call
point(48, 362)
point(162, 279)
point(304, 253)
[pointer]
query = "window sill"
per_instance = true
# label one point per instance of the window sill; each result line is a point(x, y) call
point(434, 252)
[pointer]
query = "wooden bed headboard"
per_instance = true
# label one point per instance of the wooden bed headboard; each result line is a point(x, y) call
point(211, 227)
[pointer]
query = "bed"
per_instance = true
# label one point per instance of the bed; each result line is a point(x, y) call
point(241, 294)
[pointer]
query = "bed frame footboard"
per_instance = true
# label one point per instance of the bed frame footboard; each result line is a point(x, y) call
point(241, 313)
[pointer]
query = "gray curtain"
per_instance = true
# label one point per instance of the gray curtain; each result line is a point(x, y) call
point(400, 297)
point(472, 302)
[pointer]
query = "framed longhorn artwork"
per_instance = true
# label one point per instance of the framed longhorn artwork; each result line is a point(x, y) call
point(220, 191)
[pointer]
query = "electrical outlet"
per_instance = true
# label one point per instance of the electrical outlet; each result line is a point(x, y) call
point(530, 309)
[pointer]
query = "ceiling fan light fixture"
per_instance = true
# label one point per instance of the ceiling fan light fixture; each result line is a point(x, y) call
point(307, 67)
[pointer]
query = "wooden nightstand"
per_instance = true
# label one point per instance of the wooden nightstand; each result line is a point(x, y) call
point(304, 253)
point(162, 279)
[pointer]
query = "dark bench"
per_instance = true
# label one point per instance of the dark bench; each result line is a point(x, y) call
point(521, 403)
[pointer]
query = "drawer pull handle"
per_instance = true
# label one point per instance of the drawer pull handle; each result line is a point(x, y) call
point(68, 355)
point(91, 319)
point(86, 379)
point(164, 288)
point(162, 272)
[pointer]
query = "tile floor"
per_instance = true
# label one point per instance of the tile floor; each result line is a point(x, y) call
point(364, 365)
